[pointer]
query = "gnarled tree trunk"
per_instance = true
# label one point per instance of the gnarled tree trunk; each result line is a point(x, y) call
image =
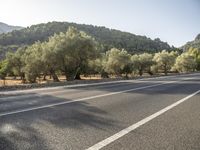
point(54, 76)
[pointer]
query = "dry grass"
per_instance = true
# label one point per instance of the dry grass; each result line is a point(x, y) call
point(16, 81)
point(11, 81)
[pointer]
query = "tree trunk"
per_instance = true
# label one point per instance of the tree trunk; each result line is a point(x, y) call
point(54, 76)
point(69, 76)
point(104, 74)
point(140, 72)
point(165, 69)
point(78, 76)
point(72, 74)
point(126, 76)
point(44, 77)
point(23, 77)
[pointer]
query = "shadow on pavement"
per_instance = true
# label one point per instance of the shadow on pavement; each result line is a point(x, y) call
point(30, 130)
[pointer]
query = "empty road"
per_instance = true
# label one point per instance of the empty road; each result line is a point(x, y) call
point(148, 114)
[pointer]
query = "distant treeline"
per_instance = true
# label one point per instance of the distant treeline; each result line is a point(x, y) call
point(108, 38)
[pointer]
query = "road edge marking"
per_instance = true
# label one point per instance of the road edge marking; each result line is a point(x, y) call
point(131, 128)
point(87, 84)
point(82, 99)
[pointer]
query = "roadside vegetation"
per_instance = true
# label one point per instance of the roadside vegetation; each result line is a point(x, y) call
point(74, 54)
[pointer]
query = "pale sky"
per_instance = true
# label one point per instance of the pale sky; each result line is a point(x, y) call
point(173, 21)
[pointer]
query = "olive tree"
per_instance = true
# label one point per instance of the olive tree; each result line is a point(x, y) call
point(185, 63)
point(33, 62)
point(73, 50)
point(50, 58)
point(142, 62)
point(3, 69)
point(16, 62)
point(195, 52)
point(117, 62)
point(165, 60)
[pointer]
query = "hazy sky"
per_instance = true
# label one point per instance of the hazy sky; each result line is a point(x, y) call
point(174, 21)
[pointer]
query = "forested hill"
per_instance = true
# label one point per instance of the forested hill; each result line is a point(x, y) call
point(108, 37)
point(195, 43)
point(4, 28)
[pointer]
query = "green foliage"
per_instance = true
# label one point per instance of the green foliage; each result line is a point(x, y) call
point(185, 63)
point(74, 52)
point(193, 49)
point(93, 67)
point(107, 37)
point(97, 66)
point(165, 60)
point(195, 52)
point(117, 62)
point(194, 44)
point(33, 62)
point(74, 49)
point(3, 69)
point(142, 63)
point(16, 62)
point(68, 53)
point(6, 49)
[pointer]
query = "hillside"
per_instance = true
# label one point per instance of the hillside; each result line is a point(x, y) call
point(195, 43)
point(108, 37)
point(4, 28)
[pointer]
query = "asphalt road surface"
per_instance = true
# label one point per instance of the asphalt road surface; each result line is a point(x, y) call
point(149, 114)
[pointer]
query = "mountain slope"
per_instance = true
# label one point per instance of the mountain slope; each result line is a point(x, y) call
point(108, 37)
point(4, 28)
point(195, 43)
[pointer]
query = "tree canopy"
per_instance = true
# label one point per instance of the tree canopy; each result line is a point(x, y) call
point(74, 52)
point(185, 63)
point(117, 62)
point(165, 60)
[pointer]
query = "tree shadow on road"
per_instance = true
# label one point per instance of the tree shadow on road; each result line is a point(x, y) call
point(31, 130)
point(182, 87)
point(39, 129)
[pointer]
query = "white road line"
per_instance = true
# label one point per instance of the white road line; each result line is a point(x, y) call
point(127, 130)
point(81, 99)
point(29, 95)
point(62, 90)
point(39, 95)
point(58, 87)
point(89, 84)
